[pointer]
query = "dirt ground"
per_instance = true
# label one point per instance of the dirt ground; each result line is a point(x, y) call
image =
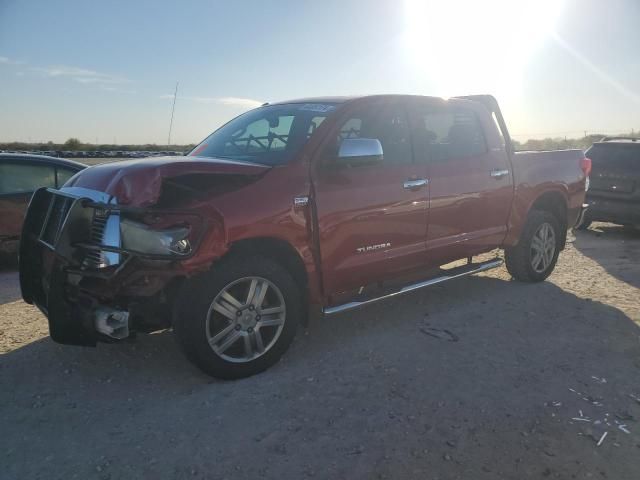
point(479, 378)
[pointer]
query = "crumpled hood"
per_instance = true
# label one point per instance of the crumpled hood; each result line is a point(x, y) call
point(139, 182)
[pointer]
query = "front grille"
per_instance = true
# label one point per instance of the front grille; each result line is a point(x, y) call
point(58, 211)
point(88, 226)
point(96, 258)
point(97, 228)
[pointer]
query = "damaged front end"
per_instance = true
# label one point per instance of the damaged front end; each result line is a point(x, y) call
point(99, 270)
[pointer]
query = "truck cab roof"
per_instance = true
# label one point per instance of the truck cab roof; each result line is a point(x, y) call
point(625, 140)
point(345, 99)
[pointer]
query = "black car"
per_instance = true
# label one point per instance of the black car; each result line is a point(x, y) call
point(614, 190)
point(20, 176)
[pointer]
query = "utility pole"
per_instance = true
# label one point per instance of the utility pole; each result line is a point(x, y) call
point(173, 108)
point(585, 134)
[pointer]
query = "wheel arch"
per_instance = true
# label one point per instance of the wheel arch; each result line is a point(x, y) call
point(554, 202)
point(279, 250)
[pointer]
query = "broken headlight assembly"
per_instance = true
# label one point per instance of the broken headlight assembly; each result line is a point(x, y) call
point(142, 238)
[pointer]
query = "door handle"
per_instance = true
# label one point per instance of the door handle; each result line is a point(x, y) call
point(499, 173)
point(419, 182)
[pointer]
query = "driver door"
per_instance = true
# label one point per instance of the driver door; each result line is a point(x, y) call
point(372, 217)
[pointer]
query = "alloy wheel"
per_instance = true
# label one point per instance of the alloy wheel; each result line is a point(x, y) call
point(245, 319)
point(543, 248)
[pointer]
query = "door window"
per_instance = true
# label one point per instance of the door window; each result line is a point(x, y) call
point(64, 174)
point(25, 178)
point(387, 123)
point(450, 134)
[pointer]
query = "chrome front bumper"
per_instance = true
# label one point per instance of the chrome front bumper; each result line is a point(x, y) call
point(57, 223)
point(71, 260)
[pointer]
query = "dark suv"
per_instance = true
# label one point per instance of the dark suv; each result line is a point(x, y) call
point(614, 191)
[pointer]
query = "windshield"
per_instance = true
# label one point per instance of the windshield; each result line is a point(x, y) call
point(270, 135)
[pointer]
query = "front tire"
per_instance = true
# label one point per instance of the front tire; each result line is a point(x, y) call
point(535, 256)
point(238, 319)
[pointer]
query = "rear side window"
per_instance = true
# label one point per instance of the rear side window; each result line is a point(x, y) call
point(25, 178)
point(450, 134)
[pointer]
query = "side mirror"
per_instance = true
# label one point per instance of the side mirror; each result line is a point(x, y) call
point(360, 151)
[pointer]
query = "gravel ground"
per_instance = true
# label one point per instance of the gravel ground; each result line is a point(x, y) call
point(480, 378)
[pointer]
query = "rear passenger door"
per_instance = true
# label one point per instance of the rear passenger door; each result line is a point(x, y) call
point(469, 178)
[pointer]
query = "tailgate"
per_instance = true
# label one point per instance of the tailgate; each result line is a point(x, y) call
point(616, 170)
point(612, 183)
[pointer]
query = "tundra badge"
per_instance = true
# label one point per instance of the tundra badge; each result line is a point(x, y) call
point(369, 248)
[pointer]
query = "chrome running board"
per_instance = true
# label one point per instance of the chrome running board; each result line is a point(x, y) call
point(456, 272)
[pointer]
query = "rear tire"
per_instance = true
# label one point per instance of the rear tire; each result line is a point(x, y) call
point(238, 319)
point(535, 256)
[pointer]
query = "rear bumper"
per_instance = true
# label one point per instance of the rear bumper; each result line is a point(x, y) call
point(607, 210)
point(582, 214)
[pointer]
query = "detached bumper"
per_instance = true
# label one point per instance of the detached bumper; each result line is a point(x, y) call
point(53, 223)
point(74, 270)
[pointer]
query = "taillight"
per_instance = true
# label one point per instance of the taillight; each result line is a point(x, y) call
point(585, 166)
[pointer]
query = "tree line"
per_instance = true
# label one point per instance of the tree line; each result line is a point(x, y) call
point(561, 143)
point(73, 144)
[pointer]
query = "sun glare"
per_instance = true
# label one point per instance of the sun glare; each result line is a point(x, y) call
point(469, 46)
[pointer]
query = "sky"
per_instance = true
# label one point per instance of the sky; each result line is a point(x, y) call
point(105, 71)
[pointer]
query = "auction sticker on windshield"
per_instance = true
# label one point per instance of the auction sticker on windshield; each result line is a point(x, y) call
point(317, 107)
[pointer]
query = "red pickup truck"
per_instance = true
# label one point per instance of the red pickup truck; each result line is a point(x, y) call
point(327, 202)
